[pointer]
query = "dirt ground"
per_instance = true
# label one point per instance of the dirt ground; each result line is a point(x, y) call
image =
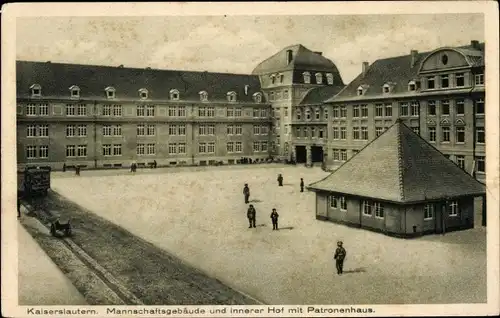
point(201, 218)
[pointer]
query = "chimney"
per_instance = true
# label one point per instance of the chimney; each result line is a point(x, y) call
point(414, 55)
point(365, 68)
point(474, 44)
point(289, 57)
point(319, 53)
point(246, 89)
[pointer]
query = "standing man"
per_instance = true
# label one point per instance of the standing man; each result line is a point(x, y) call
point(251, 214)
point(339, 257)
point(301, 185)
point(246, 192)
point(280, 180)
point(274, 218)
point(77, 170)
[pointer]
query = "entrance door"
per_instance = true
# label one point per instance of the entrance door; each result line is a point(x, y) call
point(301, 154)
point(316, 154)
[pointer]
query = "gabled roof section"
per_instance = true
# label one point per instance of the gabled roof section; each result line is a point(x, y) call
point(318, 95)
point(55, 78)
point(399, 70)
point(401, 167)
point(302, 58)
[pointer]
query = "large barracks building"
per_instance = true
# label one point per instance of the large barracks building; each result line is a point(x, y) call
point(294, 105)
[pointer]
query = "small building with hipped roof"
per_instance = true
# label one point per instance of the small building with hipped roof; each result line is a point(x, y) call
point(400, 185)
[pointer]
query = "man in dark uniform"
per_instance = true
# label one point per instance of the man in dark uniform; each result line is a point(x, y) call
point(251, 213)
point(301, 185)
point(77, 170)
point(280, 180)
point(246, 192)
point(339, 257)
point(274, 218)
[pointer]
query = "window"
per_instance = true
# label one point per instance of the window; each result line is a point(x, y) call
point(321, 133)
point(335, 113)
point(230, 146)
point(151, 130)
point(379, 210)
point(106, 130)
point(82, 151)
point(329, 78)
point(386, 88)
point(230, 129)
point(256, 146)
point(286, 111)
point(151, 149)
point(143, 93)
point(446, 134)
point(416, 130)
point(360, 91)
point(181, 129)
point(336, 133)
point(313, 132)
point(285, 94)
point(481, 164)
point(355, 133)
point(379, 110)
point(343, 111)
point(106, 150)
point(202, 111)
point(70, 110)
point(117, 110)
point(31, 131)
point(82, 130)
point(174, 94)
point(479, 107)
point(378, 131)
point(445, 107)
point(316, 114)
point(264, 130)
point(453, 208)
point(203, 96)
point(238, 129)
point(364, 133)
point(172, 111)
point(415, 109)
point(343, 154)
point(355, 111)
point(71, 130)
point(230, 112)
point(110, 94)
point(263, 113)
point(210, 111)
point(388, 110)
point(460, 107)
point(343, 204)
point(444, 81)
point(256, 130)
point(479, 79)
point(211, 147)
point(255, 113)
point(460, 135)
point(82, 110)
point(202, 130)
point(181, 148)
point(150, 110)
point(31, 152)
point(431, 108)
point(367, 208)
point(181, 112)
point(307, 77)
point(282, 78)
point(231, 96)
point(480, 135)
point(461, 161)
point(43, 151)
point(412, 86)
point(238, 146)
point(140, 150)
point(140, 110)
point(460, 80)
point(117, 150)
point(43, 109)
point(333, 202)
point(70, 151)
point(271, 96)
point(431, 84)
point(364, 111)
point(319, 78)
point(141, 130)
point(404, 109)
point(308, 114)
point(428, 212)
point(336, 154)
point(172, 149)
point(36, 90)
point(117, 130)
point(106, 110)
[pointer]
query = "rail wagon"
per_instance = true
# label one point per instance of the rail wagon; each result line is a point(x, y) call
point(33, 181)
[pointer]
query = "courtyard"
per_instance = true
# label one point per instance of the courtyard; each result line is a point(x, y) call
point(200, 217)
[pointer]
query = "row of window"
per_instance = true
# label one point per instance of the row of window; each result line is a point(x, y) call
point(307, 132)
point(277, 95)
point(143, 93)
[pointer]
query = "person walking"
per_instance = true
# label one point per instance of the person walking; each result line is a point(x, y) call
point(301, 185)
point(246, 192)
point(340, 254)
point(251, 215)
point(274, 219)
point(280, 180)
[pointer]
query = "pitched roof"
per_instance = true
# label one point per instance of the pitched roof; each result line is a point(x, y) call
point(319, 94)
point(56, 79)
point(401, 167)
point(398, 70)
point(303, 59)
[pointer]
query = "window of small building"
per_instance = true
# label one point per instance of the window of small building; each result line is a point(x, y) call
point(333, 202)
point(343, 203)
point(428, 211)
point(367, 208)
point(453, 208)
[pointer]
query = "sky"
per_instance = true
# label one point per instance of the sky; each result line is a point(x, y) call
point(236, 44)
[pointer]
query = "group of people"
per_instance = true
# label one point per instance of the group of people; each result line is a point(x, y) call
point(133, 166)
point(252, 213)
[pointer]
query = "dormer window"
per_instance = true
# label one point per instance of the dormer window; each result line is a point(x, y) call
point(203, 96)
point(307, 77)
point(319, 78)
point(110, 92)
point(174, 94)
point(273, 79)
point(386, 88)
point(36, 90)
point(360, 91)
point(74, 91)
point(143, 93)
point(231, 96)
point(329, 78)
point(412, 86)
point(257, 97)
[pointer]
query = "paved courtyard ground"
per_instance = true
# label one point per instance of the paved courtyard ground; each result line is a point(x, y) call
point(201, 218)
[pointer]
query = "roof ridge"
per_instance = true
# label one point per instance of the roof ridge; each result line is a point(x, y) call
point(400, 159)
